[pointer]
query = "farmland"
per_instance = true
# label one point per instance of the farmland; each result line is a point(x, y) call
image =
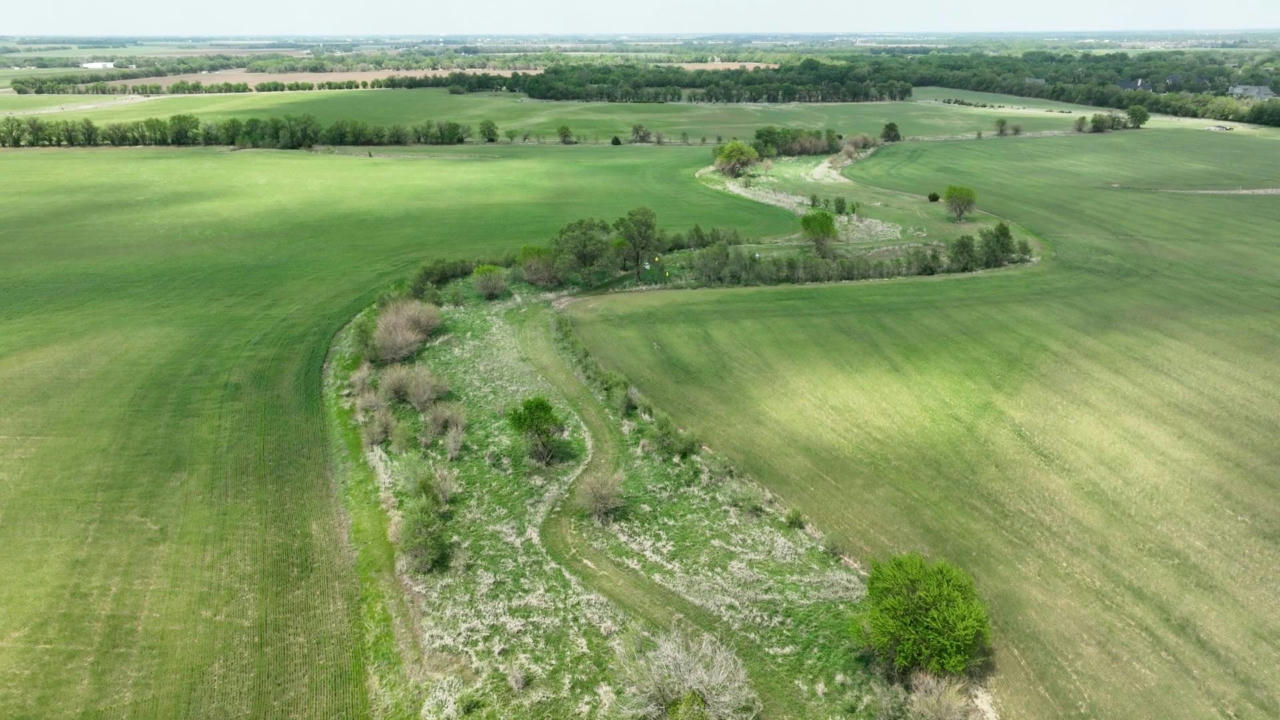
point(166, 497)
point(598, 121)
point(1091, 436)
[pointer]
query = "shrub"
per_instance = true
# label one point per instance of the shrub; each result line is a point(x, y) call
point(402, 327)
point(695, 678)
point(453, 441)
point(795, 519)
point(441, 418)
point(924, 616)
point(616, 140)
point(401, 436)
point(962, 254)
point(538, 265)
point(671, 440)
point(423, 535)
point(489, 281)
point(360, 379)
point(890, 133)
point(413, 384)
point(536, 420)
point(602, 495)
point(377, 426)
point(934, 197)
point(938, 698)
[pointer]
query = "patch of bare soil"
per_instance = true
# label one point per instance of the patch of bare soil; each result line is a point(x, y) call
point(115, 100)
point(1241, 191)
point(852, 228)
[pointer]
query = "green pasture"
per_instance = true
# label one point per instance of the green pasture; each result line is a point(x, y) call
point(174, 545)
point(595, 121)
point(1092, 436)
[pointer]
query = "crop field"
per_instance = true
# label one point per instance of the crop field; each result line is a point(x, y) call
point(174, 543)
point(1093, 436)
point(597, 121)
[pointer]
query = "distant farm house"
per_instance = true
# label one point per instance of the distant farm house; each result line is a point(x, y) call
point(1252, 92)
point(97, 65)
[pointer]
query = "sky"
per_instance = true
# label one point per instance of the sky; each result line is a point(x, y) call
point(429, 17)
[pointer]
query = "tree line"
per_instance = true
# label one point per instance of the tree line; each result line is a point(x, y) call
point(290, 132)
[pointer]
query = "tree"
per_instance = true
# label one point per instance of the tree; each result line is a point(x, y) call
point(820, 227)
point(640, 134)
point(1099, 123)
point(996, 245)
point(184, 130)
point(1138, 116)
point(962, 255)
point(1002, 127)
point(639, 233)
point(1081, 123)
point(565, 135)
point(488, 131)
point(615, 140)
point(924, 616)
point(960, 200)
point(890, 133)
point(734, 157)
point(581, 245)
point(536, 420)
point(511, 135)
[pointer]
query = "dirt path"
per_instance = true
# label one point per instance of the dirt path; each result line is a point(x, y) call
point(1241, 191)
point(641, 597)
point(116, 100)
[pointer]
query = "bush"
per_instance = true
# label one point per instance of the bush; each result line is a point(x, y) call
point(938, 698)
point(602, 495)
point(423, 534)
point(489, 281)
point(671, 440)
point(616, 140)
point(795, 519)
point(924, 616)
point(377, 426)
point(536, 420)
point(442, 418)
point(453, 441)
point(538, 265)
point(402, 327)
point(688, 679)
point(934, 197)
point(413, 384)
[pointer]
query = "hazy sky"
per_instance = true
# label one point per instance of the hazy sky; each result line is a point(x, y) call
point(418, 17)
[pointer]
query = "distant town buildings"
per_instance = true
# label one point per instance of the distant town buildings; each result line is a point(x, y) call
point(1252, 92)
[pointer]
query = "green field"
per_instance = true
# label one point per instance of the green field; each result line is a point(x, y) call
point(1092, 436)
point(597, 121)
point(174, 545)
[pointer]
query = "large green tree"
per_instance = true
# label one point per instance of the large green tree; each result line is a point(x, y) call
point(536, 420)
point(734, 157)
point(924, 616)
point(820, 227)
point(638, 230)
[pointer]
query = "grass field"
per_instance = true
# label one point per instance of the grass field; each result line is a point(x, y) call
point(1093, 437)
point(174, 545)
point(593, 120)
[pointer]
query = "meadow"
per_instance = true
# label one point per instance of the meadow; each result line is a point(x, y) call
point(174, 543)
point(596, 121)
point(1092, 436)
